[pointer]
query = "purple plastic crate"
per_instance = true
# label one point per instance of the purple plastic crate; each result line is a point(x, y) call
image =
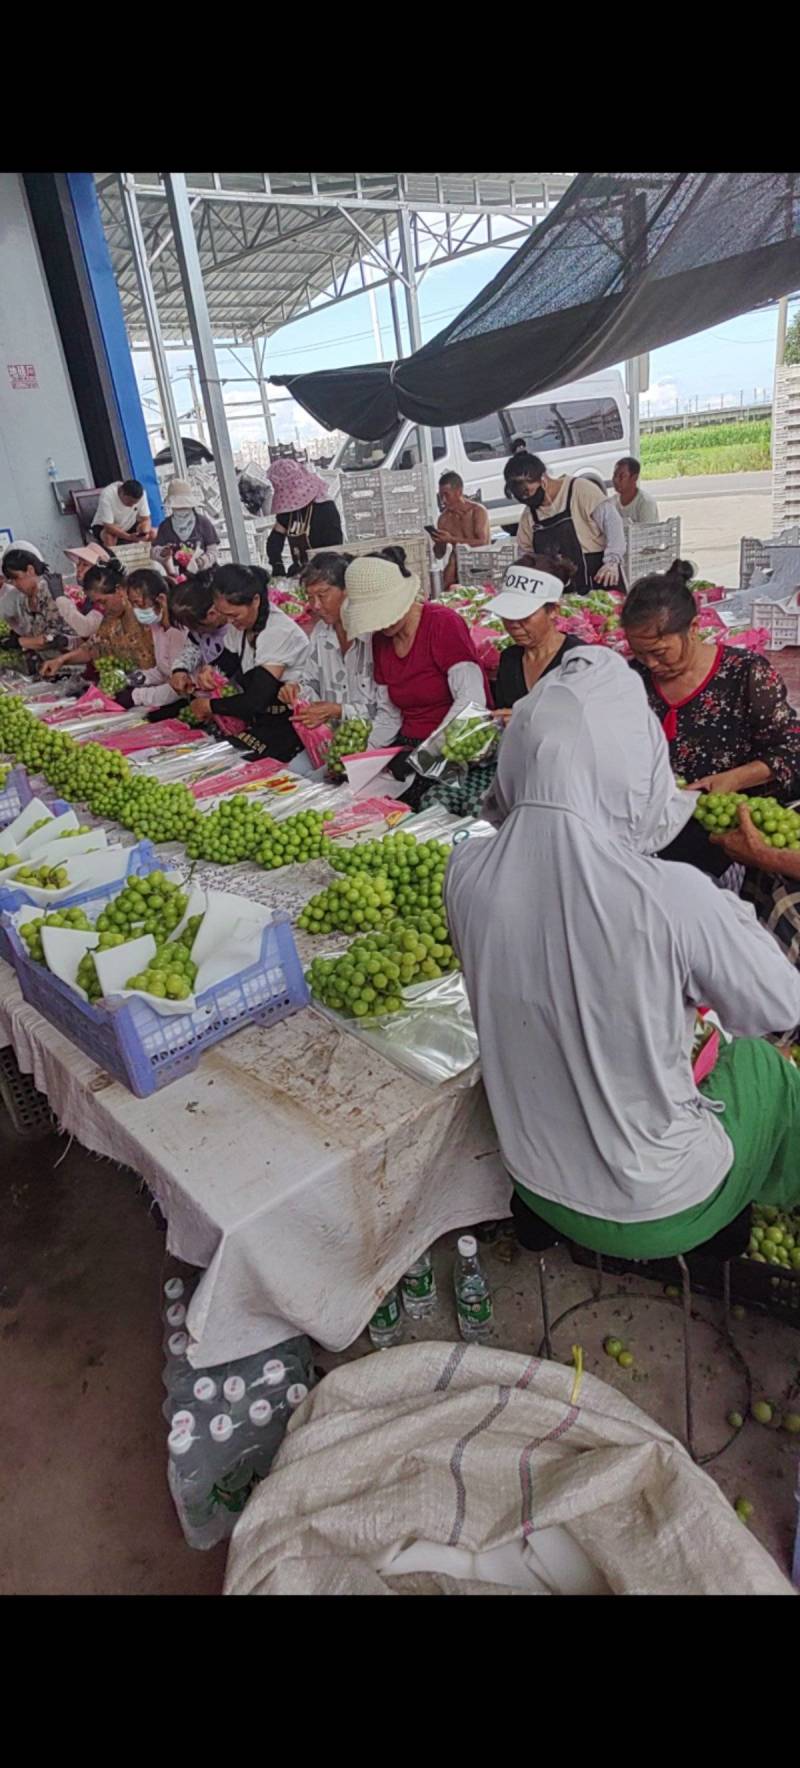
point(142, 859)
point(146, 1050)
point(16, 793)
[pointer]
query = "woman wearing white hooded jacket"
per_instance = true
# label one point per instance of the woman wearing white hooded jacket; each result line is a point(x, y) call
point(585, 960)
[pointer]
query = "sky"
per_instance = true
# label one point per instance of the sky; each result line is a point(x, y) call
point(732, 362)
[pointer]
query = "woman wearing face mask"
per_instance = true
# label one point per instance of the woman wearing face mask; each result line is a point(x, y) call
point(261, 646)
point(187, 528)
point(584, 962)
point(569, 517)
point(148, 595)
point(119, 634)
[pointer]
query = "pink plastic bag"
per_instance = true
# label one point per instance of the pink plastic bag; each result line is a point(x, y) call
point(317, 742)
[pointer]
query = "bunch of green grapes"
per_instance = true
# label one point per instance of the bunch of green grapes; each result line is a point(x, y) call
point(31, 931)
point(112, 674)
point(775, 1237)
point(465, 739)
point(415, 869)
point(171, 974)
point(42, 877)
point(240, 829)
point(159, 812)
point(67, 834)
point(9, 859)
point(778, 826)
point(152, 904)
point(349, 905)
point(4, 771)
point(349, 738)
point(370, 976)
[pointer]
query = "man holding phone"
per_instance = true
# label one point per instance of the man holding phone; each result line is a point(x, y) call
point(461, 523)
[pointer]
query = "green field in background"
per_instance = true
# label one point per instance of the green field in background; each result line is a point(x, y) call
point(708, 448)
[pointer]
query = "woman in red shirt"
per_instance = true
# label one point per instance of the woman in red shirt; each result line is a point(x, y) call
point(422, 653)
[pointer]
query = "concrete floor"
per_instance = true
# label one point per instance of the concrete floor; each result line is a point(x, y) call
point(715, 512)
point(84, 1505)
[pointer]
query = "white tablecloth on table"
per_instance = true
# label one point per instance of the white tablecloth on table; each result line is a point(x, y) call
point(303, 1171)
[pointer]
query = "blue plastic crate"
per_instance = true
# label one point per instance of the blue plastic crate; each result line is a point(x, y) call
point(16, 793)
point(146, 1050)
point(142, 859)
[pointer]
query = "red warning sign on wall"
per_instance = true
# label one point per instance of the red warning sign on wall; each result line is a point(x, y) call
point(22, 375)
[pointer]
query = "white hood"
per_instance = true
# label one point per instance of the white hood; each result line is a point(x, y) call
point(584, 960)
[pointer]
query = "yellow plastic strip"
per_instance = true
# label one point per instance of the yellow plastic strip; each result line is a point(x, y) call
point(577, 1358)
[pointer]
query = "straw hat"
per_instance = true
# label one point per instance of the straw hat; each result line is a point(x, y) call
point(89, 555)
point(377, 595)
point(181, 495)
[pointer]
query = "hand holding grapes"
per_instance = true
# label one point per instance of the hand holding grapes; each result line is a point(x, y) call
point(200, 708)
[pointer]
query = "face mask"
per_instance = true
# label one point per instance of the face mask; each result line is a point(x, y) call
point(535, 499)
point(146, 616)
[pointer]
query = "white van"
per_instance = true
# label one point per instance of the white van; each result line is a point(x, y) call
point(581, 430)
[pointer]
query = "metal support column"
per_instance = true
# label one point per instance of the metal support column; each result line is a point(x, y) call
point(205, 357)
point(398, 330)
point(259, 352)
point(632, 389)
point(780, 335)
point(197, 404)
point(152, 322)
point(415, 335)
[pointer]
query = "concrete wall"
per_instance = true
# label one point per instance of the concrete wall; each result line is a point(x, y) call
point(39, 421)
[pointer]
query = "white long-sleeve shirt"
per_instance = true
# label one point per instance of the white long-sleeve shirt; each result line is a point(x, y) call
point(347, 678)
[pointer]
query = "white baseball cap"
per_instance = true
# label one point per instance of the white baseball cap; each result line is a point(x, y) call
point(525, 590)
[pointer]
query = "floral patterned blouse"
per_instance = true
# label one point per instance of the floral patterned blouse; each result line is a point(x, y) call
point(738, 714)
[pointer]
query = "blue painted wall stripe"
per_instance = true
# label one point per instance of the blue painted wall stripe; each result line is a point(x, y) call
point(112, 325)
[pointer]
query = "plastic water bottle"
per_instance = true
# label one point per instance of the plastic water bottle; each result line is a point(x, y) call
point(473, 1295)
point(418, 1288)
point(269, 1430)
point(191, 1483)
point(184, 1421)
point(234, 1393)
point(176, 1362)
point(233, 1461)
point(386, 1327)
point(205, 1396)
point(174, 1289)
point(174, 1321)
point(298, 1392)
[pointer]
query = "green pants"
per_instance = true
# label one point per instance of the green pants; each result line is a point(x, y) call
point(761, 1094)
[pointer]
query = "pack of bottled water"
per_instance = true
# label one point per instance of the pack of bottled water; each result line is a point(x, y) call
point(226, 1423)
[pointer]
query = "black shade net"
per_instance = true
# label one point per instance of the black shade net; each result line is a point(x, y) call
point(626, 262)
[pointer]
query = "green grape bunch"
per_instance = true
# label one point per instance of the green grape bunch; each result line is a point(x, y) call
point(349, 905)
point(32, 877)
point(9, 859)
point(31, 931)
point(349, 738)
point(468, 739)
point(775, 1237)
point(240, 829)
point(415, 869)
point(778, 826)
point(369, 978)
point(111, 674)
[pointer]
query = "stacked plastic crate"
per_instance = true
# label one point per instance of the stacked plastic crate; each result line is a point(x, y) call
point(651, 546)
point(786, 448)
point(378, 505)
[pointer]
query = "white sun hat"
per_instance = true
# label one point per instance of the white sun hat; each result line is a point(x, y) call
point(525, 590)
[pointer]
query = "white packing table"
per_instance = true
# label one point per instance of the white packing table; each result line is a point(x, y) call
point(304, 1171)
